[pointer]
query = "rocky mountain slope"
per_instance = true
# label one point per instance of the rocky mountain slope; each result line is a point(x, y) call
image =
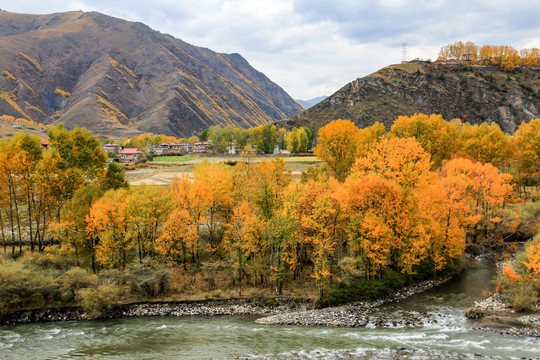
point(121, 78)
point(473, 93)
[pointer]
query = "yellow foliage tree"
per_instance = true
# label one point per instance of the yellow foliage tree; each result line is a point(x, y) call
point(337, 146)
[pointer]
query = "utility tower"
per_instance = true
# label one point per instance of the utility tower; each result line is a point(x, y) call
point(403, 52)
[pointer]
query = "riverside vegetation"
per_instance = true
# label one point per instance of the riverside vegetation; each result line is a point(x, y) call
point(385, 210)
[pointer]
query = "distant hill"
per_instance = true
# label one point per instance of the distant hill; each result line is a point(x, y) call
point(121, 78)
point(306, 104)
point(473, 93)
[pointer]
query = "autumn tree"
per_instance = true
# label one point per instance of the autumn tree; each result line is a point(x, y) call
point(72, 227)
point(482, 192)
point(383, 226)
point(55, 185)
point(320, 216)
point(503, 55)
point(212, 195)
point(107, 225)
point(400, 159)
point(440, 210)
point(438, 137)
point(487, 143)
point(242, 232)
point(281, 232)
point(178, 238)
point(337, 145)
point(79, 149)
point(147, 208)
point(520, 278)
point(113, 177)
point(527, 145)
point(368, 137)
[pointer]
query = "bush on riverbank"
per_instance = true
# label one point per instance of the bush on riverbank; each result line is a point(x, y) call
point(520, 279)
point(21, 287)
point(99, 300)
point(363, 289)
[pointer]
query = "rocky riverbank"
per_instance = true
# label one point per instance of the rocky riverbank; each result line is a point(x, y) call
point(187, 308)
point(370, 354)
point(361, 314)
point(495, 314)
point(279, 311)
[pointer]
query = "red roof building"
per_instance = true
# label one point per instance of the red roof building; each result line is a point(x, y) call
point(130, 155)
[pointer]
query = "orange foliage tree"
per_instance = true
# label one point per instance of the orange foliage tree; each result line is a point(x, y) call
point(436, 136)
point(481, 192)
point(320, 222)
point(107, 224)
point(400, 159)
point(337, 145)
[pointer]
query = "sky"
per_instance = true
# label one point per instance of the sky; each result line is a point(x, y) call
point(314, 47)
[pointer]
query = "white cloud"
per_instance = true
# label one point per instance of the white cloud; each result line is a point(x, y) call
point(313, 47)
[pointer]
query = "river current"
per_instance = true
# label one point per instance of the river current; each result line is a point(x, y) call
point(229, 337)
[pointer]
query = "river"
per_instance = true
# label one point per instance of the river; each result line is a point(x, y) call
point(231, 337)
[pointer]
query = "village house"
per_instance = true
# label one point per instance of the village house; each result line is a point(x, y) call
point(186, 147)
point(130, 155)
point(45, 145)
point(201, 146)
point(231, 147)
point(173, 148)
point(158, 149)
point(110, 148)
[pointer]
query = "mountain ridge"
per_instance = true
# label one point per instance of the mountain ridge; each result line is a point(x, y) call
point(115, 76)
point(454, 89)
point(306, 104)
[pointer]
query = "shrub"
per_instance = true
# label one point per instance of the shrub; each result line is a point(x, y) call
point(99, 300)
point(21, 287)
point(523, 297)
point(49, 260)
point(147, 279)
point(363, 289)
point(112, 276)
point(520, 279)
point(74, 280)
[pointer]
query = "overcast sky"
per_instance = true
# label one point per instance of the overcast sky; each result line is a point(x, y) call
point(314, 47)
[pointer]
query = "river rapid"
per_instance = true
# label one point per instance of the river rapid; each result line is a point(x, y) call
point(449, 336)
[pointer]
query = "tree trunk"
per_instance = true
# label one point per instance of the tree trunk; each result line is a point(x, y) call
point(3, 234)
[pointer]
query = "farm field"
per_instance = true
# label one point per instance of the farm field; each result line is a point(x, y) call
point(163, 169)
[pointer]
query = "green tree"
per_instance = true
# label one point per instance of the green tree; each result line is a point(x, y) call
point(78, 148)
point(74, 238)
point(114, 178)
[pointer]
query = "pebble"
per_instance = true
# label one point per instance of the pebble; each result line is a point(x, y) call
point(361, 314)
point(498, 310)
point(206, 308)
point(365, 354)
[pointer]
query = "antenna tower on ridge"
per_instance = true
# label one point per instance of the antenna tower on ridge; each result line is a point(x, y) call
point(404, 52)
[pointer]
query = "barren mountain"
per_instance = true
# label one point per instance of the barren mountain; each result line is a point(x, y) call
point(121, 78)
point(473, 93)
